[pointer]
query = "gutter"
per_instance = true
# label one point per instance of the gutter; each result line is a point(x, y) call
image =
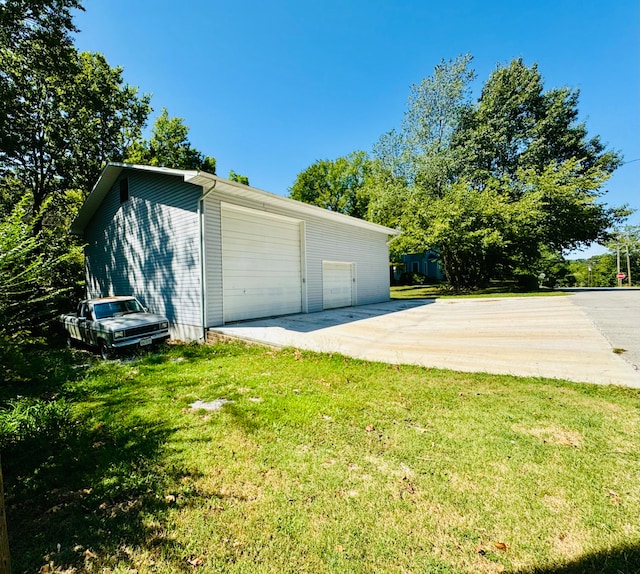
point(203, 274)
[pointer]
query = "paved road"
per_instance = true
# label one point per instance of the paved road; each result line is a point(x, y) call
point(616, 314)
point(556, 337)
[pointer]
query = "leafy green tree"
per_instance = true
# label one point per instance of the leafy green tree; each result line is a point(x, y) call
point(415, 184)
point(496, 185)
point(420, 153)
point(553, 270)
point(105, 117)
point(22, 20)
point(531, 141)
point(63, 113)
point(516, 124)
point(471, 228)
point(169, 146)
point(433, 113)
point(36, 52)
point(243, 179)
point(37, 270)
point(415, 165)
point(603, 270)
point(337, 185)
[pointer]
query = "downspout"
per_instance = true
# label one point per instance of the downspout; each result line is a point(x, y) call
point(203, 294)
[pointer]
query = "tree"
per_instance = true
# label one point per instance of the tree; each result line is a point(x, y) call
point(414, 184)
point(36, 50)
point(243, 179)
point(431, 120)
point(337, 185)
point(530, 141)
point(39, 270)
point(421, 153)
point(22, 20)
point(63, 113)
point(470, 228)
point(169, 146)
point(517, 125)
point(104, 117)
point(531, 176)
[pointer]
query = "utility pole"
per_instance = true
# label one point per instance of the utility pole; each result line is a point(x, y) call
point(628, 265)
point(618, 262)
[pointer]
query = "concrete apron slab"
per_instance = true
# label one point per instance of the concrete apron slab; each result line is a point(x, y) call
point(524, 336)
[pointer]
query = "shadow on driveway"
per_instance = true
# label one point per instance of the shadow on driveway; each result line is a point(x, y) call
point(310, 322)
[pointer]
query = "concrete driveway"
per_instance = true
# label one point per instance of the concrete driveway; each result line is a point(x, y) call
point(529, 336)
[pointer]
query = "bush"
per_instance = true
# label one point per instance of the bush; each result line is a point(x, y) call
point(36, 366)
point(413, 278)
point(29, 424)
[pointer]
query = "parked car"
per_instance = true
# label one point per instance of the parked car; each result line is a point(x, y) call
point(110, 324)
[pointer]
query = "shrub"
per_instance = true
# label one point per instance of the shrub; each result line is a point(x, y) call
point(34, 424)
point(413, 278)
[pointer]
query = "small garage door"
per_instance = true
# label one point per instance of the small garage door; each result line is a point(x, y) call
point(261, 264)
point(337, 284)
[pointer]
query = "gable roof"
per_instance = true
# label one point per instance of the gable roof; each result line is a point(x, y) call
point(208, 182)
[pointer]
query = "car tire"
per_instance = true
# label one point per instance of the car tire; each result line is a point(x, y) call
point(105, 351)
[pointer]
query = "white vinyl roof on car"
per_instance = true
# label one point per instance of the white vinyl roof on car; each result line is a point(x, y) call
point(208, 182)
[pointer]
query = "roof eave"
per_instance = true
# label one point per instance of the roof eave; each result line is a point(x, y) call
point(207, 181)
point(109, 175)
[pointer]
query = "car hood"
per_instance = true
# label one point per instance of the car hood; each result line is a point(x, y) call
point(131, 320)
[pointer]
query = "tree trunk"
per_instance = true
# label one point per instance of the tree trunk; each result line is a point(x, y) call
point(5, 558)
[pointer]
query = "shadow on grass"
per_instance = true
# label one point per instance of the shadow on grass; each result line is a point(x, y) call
point(620, 560)
point(37, 370)
point(75, 491)
point(82, 494)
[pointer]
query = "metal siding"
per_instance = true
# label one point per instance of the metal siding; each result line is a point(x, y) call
point(213, 261)
point(368, 250)
point(149, 246)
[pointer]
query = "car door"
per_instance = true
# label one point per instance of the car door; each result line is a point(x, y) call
point(85, 323)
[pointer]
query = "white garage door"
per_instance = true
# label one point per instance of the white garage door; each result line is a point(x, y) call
point(261, 264)
point(337, 284)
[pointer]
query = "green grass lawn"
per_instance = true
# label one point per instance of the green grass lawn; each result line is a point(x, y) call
point(323, 464)
point(441, 292)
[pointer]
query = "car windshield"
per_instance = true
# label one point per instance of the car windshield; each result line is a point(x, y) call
point(117, 308)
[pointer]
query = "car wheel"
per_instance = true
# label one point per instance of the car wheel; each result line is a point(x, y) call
point(105, 352)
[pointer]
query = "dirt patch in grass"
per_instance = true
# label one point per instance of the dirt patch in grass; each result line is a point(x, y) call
point(553, 435)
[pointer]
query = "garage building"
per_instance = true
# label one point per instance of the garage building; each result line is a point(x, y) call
point(206, 251)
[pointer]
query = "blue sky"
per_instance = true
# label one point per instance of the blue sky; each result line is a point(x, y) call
point(269, 87)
